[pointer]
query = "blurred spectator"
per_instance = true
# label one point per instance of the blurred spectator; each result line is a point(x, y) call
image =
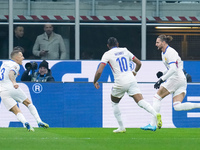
point(188, 76)
point(49, 45)
point(43, 75)
point(20, 40)
point(87, 55)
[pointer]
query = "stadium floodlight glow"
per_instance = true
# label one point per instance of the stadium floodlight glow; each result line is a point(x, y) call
point(164, 27)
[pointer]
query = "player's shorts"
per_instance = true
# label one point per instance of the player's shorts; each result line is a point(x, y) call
point(176, 87)
point(9, 97)
point(131, 89)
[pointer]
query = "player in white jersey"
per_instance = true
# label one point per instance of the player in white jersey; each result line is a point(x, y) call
point(10, 91)
point(171, 81)
point(118, 59)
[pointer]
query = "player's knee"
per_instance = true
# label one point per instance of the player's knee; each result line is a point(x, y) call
point(27, 102)
point(177, 106)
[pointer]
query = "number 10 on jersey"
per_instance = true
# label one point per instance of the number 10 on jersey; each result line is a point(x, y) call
point(122, 64)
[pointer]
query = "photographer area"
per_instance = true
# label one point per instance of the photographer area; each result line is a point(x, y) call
point(43, 74)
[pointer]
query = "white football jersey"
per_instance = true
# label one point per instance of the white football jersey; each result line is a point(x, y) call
point(6, 67)
point(118, 59)
point(171, 56)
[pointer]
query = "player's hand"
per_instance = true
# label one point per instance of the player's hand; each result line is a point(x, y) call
point(15, 85)
point(158, 83)
point(159, 74)
point(134, 73)
point(96, 85)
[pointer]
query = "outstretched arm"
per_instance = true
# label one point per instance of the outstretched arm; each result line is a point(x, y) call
point(98, 75)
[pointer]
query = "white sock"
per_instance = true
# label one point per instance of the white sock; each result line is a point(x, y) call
point(34, 112)
point(156, 105)
point(21, 118)
point(178, 106)
point(117, 114)
point(143, 104)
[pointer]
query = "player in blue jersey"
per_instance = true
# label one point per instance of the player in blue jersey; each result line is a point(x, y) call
point(118, 59)
point(11, 92)
point(171, 81)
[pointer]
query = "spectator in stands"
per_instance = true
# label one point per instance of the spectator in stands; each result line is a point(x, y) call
point(49, 45)
point(43, 75)
point(20, 40)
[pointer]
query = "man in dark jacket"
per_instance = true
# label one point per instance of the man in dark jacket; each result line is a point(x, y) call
point(43, 75)
point(20, 40)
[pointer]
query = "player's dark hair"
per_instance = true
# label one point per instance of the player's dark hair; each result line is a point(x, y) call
point(112, 42)
point(166, 38)
point(15, 51)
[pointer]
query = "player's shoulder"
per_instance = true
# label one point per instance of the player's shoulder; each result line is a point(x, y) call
point(12, 63)
point(171, 51)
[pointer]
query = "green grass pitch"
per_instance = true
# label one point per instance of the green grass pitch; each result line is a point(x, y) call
point(99, 139)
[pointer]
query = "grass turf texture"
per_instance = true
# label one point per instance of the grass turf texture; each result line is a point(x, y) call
point(99, 139)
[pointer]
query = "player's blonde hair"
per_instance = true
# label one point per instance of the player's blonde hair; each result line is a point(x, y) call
point(15, 51)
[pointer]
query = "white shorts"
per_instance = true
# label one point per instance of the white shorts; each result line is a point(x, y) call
point(131, 89)
point(176, 87)
point(9, 97)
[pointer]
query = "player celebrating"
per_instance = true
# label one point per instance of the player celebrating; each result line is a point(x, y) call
point(175, 80)
point(10, 90)
point(118, 59)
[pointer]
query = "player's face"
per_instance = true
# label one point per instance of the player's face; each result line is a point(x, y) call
point(19, 58)
point(159, 44)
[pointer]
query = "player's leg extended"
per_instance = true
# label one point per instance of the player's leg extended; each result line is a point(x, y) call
point(145, 105)
point(34, 112)
point(178, 106)
point(15, 109)
point(117, 114)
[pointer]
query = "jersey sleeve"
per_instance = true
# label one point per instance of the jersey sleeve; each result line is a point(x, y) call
point(15, 68)
point(105, 58)
point(131, 56)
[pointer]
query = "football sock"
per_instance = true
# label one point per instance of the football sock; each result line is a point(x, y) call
point(143, 104)
point(117, 114)
point(21, 118)
point(34, 112)
point(178, 106)
point(156, 105)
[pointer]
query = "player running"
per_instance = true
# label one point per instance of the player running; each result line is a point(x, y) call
point(118, 59)
point(11, 92)
point(173, 79)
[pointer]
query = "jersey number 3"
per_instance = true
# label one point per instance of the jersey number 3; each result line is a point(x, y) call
point(122, 64)
point(2, 74)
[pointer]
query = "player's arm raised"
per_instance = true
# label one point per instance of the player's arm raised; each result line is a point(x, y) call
point(138, 65)
point(12, 79)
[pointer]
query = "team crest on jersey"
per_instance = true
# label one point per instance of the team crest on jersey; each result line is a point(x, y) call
point(165, 59)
